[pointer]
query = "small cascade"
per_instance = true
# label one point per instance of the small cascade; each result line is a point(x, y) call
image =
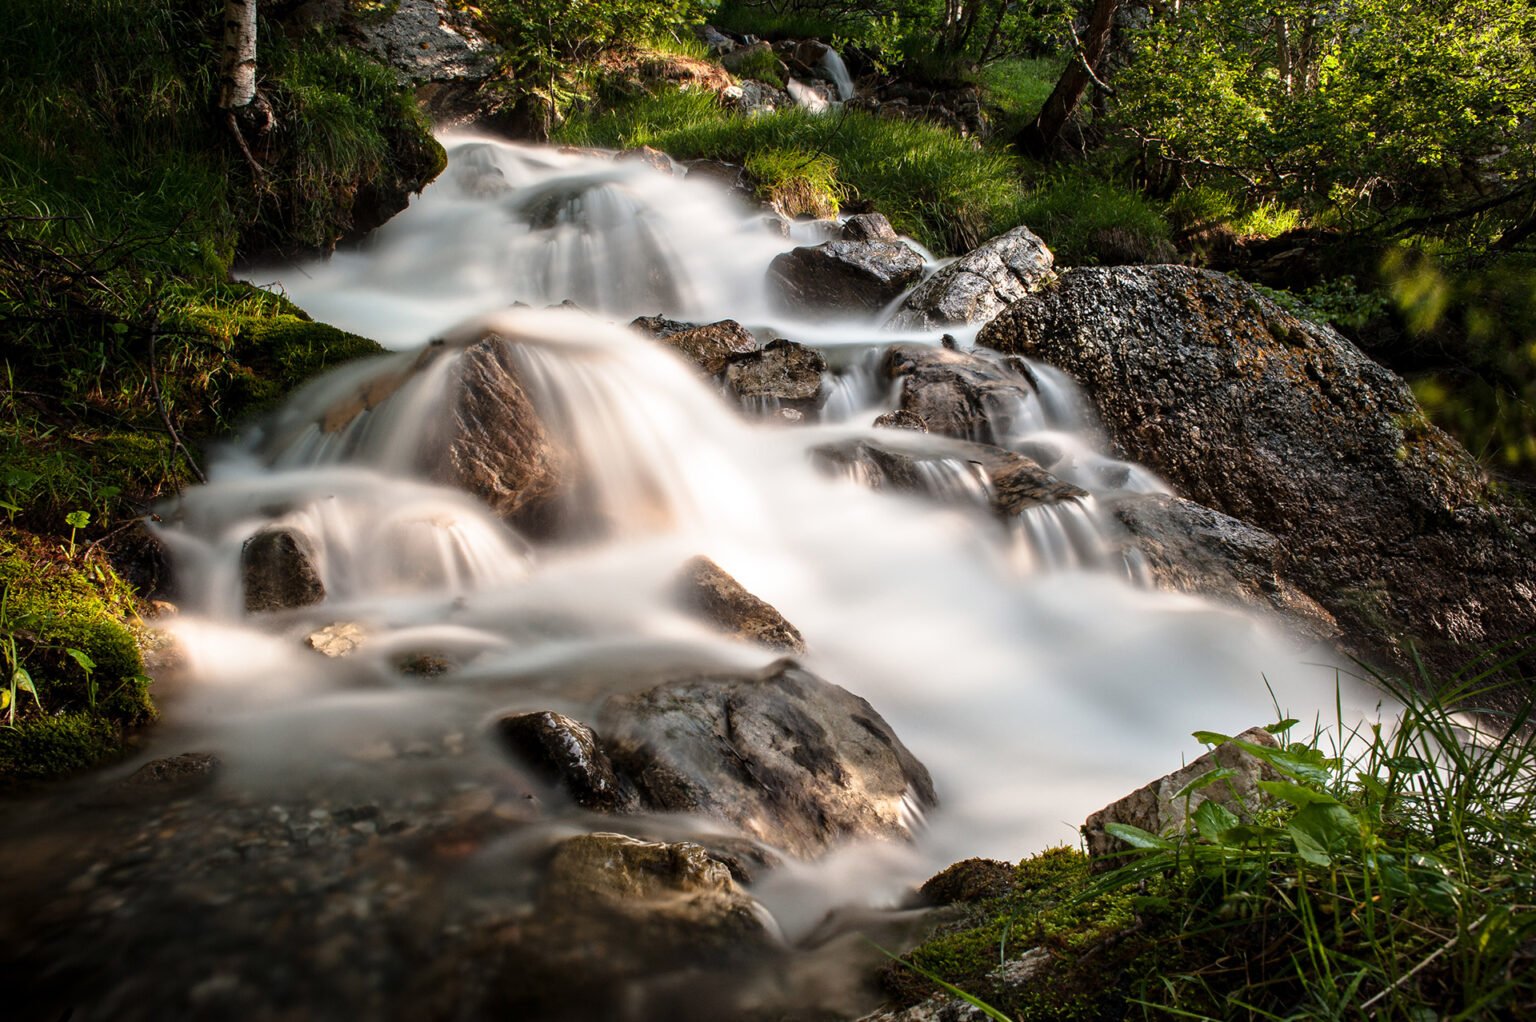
point(837, 71)
point(1061, 536)
point(855, 384)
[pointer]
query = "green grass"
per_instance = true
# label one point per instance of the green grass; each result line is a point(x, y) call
point(1389, 872)
point(931, 184)
point(1017, 88)
point(1087, 219)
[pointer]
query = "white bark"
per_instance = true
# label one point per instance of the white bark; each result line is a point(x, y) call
point(237, 70)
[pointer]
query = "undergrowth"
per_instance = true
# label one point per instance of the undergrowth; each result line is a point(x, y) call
point(1386, 872)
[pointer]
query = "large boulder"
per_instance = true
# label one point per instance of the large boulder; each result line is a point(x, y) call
point(1191, 549)
point(979, 284)
point(278, 571)
point(1282, 423)
point(791, 760)
point(707, 591)
point(843, 277)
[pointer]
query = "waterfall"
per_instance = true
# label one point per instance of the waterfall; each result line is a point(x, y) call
point(999, 638)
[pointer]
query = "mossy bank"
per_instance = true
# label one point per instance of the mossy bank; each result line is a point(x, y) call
point(125, 202)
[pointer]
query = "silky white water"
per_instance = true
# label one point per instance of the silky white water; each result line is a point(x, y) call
point(1016, 660)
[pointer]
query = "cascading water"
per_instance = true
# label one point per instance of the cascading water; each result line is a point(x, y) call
point(1034, 687)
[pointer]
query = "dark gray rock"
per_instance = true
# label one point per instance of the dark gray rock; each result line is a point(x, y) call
point(780, 374)
point(979, 284)
point(567, 754)
point(1192, 549)
point(278, 571)
point(843, 277)
point(792, 760)
point(960, 394)
point(651, 157)
point(708, 592)
point(868, 227)
point(707, 346)
point(1282, 423)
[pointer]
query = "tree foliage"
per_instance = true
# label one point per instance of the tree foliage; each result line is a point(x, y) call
point(1371, 107)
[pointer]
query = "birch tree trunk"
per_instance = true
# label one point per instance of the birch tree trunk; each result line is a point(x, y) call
point(237, 70)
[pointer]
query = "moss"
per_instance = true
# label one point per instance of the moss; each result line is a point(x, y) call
point(47, 747)
point(54, 609)
point(1096, 964)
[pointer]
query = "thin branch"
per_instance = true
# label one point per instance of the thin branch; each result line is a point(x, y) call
point(154, 382)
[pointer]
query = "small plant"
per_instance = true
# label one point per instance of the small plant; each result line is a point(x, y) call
point(76, 520)
point(17, 678)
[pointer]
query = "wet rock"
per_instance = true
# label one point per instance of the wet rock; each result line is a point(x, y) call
point(843, 277)
point(1192, 549)
point(713, 595)
point(950, 470)
point(496, 445)
point(961, 394)
point(979, 284)
point(792, 760)
point(1158, 808)
point(567, 754)
point(732, 176)
point(781, 373)
point(166, 778)
point(1283, 424)
point(278, 571)
point(337, 640)
point(868, 227)
point(901, 419)
point(425, 665)
point(707, 346)
point(653, 158)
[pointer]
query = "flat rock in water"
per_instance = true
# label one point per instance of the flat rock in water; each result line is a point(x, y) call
point(707, 346)
point(795, 762)
point(1285, 425)
point(780, 374)
point(710, 593)
point(843, 277)
point(337, 640)
point(1192, 549)
point(278, 571)
point(979, 284)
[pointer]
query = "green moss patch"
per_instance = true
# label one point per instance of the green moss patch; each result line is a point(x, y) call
point(61, 627)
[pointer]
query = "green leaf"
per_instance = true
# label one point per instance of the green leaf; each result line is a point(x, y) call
point(1323, 832)
point(1282, 726)
point(1213, 820)
point(1295, 794)
point(78, 519)
point(1205, 780)
point(1135, 836)
point(1211, 737)
point(5, 699)
point(79, 656)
